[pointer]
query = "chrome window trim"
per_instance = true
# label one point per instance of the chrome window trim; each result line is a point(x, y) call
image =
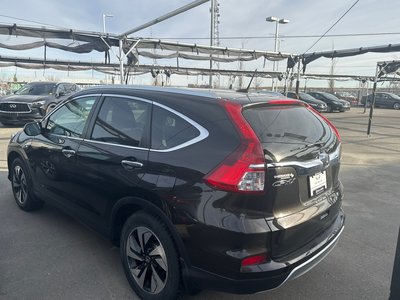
point(203, 132)
point(113, 144)
point(66, 136)
point(17, 112)
point(127, 96)
point(46, 119)
point(75, 98)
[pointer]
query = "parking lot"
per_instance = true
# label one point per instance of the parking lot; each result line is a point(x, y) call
point(48, 255)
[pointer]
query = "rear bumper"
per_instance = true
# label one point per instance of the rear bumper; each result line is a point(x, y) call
point(278, 272)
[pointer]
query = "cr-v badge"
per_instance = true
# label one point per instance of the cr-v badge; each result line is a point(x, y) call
point(283, 179)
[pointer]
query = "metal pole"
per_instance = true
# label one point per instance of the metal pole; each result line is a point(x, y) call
point(211, 38)
point(121, 62)
point(275, 50)
point(104, 23)
point(395, 286)
point(164, 17)
point(298, 80)
point(371, 109)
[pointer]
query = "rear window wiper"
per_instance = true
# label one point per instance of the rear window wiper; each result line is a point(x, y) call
point(306, 146)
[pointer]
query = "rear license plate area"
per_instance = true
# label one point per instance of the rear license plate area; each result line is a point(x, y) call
point(317, 183)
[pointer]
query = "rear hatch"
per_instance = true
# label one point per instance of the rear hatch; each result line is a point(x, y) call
point(302, 153)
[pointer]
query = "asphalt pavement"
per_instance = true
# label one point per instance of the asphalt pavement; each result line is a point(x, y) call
point(48, 255)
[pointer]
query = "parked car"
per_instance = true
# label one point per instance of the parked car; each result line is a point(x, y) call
point(332, 102)
point(33, 100)
point(269, 93)
point(314, 103)
point(348, 97)
point(199, 189)
point(388, 100)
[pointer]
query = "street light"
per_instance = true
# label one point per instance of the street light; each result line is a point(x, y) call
point(104, 21)
point(277, 22)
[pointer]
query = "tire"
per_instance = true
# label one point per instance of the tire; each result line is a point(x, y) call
point(328, 108)
point(50, 107)
point(22, 187)
point(396, 106)
point(152, 266)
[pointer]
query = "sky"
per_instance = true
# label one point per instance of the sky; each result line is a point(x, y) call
point(238, 18)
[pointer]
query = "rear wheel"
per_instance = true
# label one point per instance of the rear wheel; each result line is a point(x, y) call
point(396, 106)
point(21, 187)
point(149, 257)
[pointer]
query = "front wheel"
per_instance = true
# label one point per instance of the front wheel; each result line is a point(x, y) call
point(21, 187)
point(328, 108)
point(149, 257)
point(396, 106)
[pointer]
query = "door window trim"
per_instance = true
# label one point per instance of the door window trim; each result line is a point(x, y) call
point(203, 133)
point(45, 120)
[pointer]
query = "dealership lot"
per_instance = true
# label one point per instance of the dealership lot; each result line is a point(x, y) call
point(47, 255)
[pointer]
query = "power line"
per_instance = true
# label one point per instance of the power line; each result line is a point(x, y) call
point(331, 26)
point(281, 36)
point(31, 21)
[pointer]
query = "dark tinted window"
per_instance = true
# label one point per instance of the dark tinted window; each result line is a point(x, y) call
point(169, 130)
point(37, 89)
point(121, 121)
point(285, 130)
point(70, 119)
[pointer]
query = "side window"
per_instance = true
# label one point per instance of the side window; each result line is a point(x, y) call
point(122, 121)
point(70, 119)
point(169, 130)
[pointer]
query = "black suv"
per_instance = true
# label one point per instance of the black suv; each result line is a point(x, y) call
point(33, 100)
point(310, 100)
point(332, 102)
point(199, 189)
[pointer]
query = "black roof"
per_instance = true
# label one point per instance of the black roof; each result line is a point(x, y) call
point(205, 94)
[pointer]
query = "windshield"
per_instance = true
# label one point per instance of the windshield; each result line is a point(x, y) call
point(331, 97)
point(304, 96)
point(393, 95)
point(37, 89)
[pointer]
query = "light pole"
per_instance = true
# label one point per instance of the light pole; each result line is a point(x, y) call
point(277, 22)
point(104, 21)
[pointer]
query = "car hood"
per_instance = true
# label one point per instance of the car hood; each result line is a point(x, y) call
point(22, 98)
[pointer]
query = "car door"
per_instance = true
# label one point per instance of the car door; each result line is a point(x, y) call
point(51, 154)
point(379, 99)
point(112, 159)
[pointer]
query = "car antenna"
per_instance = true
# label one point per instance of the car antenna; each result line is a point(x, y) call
point(246, 90)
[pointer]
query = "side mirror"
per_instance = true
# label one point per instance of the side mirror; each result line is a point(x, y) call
point(32, 128)
point(59, 94)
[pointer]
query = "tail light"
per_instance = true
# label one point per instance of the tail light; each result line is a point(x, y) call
point(244, 169)
point(254, 260)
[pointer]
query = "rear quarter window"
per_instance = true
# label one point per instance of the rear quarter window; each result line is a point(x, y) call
point(170, 130)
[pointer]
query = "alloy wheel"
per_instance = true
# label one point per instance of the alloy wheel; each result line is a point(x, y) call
point(147, 260)
point(19, 184)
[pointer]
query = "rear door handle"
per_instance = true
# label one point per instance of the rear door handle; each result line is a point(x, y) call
point(68, 152)
point(131, 165)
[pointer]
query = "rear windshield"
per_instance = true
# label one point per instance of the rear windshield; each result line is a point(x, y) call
point(284, 129)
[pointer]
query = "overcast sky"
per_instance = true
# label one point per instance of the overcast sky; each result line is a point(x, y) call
point(238, 18)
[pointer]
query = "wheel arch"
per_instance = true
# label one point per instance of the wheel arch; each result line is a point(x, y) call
point(11, 156)
point(126, 206)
